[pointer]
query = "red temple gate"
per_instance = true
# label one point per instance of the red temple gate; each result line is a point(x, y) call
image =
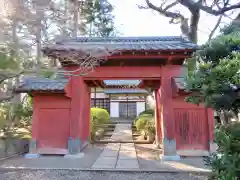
point(61, 119)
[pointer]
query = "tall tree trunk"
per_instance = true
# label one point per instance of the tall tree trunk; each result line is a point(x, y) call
point(15, 56)
point(75, 18)
point(39, 18)
point(65, 26)
point(193, 33)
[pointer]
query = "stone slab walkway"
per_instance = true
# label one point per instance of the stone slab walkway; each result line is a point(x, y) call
point(118, 155)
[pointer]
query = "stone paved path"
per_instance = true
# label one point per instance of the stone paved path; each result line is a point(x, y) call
point(118, 155)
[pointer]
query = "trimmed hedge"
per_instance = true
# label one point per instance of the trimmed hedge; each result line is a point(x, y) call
point(148, 111)
point(98, 116)
point(142, 120)
point(145, 122)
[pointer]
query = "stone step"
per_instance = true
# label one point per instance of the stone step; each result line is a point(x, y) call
point(109, 129)
point(105, 141)
point(109, 134)
point(121, 121)
point(106, 125)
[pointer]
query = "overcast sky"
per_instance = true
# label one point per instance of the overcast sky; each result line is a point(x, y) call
point(132, 21)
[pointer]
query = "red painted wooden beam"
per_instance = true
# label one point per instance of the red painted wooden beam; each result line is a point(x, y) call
point(149, 56)
point(101, 73)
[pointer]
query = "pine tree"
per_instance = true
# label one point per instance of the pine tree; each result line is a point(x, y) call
point(97, 18)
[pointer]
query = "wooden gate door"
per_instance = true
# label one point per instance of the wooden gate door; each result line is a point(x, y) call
point(53, 128)
point(191, 129)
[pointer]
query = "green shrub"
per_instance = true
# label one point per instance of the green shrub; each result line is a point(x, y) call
point(145, 116)
point(150, 127)
point(100, 115)
point(147, 111)
point(142, 121)
point(93, 128)
point(225, 163)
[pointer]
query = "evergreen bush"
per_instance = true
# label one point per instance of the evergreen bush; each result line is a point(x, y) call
point(225, 162)
point(147, 111)
point(100, 115)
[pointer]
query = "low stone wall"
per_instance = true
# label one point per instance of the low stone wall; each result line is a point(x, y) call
point(11, 147)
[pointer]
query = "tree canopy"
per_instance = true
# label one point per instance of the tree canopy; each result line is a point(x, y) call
point(216, 81)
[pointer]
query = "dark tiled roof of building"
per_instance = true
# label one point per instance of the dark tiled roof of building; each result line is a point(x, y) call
point(44, 84)
point(125, 91)
point(125, 43)
point(41, 84)
point(121, 82)
point(180, 82)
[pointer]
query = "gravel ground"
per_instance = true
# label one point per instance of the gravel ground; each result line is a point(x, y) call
point(92, 175)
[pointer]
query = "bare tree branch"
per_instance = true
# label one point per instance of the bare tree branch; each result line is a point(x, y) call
point(199, 5)
point(215, 28)
point(5, 98)
point(166, 13)
point(170, 6)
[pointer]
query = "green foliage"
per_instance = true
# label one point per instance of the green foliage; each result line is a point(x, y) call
point(15, 119)
point(220, 47)
point(145, 123)
point(99, 18)
point(225, 163)
point(214, 85)
point(143, 115)
point(7, 62)
point(233, 27)
point(148, 111)
point(93, 128)
point(47, 73)
point(100, 115)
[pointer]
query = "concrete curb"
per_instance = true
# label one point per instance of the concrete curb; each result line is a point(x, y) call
point(12, 156)
point(108, 170)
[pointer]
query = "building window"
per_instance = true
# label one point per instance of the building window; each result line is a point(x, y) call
point(101, 103)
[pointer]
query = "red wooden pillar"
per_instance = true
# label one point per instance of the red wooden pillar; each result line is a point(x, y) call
point(158, 119)
point(86, 121)
point(164, 94)
point(33, 142)
point(77, 93)
point(211, 124)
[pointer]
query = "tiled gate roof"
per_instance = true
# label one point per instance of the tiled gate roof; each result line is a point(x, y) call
point(45, 84)
point(126, 43)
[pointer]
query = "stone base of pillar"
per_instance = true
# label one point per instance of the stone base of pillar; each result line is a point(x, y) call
point(74, 156)
point(31, 156)
point(33, 146)
point(213, 147)
point(169, 147)
point(170, 158)
point(169, 151)
point(193, 153)
point(74, 145)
